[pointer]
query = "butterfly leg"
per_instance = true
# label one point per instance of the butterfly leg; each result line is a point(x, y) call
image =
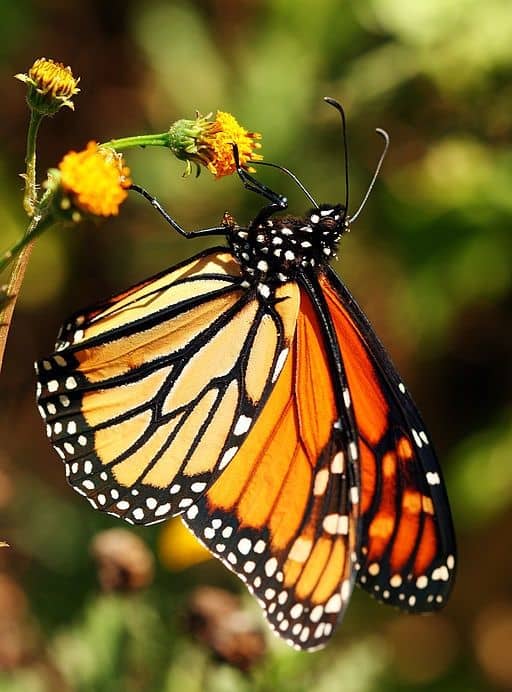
point(277, 201)
point(215, 230)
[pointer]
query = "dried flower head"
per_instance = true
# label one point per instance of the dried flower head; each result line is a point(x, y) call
point(219, 621)
point(51, 86)
point(124, 561)
point(95, 179)
point(209, 143)
point(19, 644)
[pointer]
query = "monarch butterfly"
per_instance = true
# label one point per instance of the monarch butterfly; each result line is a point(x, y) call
point(245, 389)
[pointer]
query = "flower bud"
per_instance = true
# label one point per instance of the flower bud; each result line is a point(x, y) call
point(51, 86)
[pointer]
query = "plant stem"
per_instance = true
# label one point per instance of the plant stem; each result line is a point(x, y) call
point(24, 248)
point(38, 225)
point(154, 140)
point(30, 197)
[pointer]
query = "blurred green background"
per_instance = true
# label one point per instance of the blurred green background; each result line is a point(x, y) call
point(429, 260)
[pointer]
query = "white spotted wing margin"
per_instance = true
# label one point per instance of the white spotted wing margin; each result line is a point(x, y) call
point(303, 589)
point(151, 393)
point(285, 515)
point(412, 567)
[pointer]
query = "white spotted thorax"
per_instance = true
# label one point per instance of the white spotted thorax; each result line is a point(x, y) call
point(273, 251)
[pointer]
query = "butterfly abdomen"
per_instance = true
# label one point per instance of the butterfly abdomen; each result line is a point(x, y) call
point(275, 250)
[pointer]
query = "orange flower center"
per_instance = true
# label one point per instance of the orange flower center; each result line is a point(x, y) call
point(221, 145)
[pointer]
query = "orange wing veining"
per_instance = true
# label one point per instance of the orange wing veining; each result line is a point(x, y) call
point(407, 555)
point(281, 516)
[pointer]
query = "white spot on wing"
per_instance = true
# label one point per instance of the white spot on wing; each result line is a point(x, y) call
point(228, 455)
point(281, 359)
point(441, 574)
point(192, 512)
point(338, 463)
point(244, 546)
point(345, 590)
point(352, 450)
point(270, 567)
point(242, 425)
point(433, 478)
point(417, 438)
point(321, 480)
point(330, 523)
point(333, 605)
point(163, 509)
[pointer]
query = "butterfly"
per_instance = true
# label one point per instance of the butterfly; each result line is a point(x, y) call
point(245, 390)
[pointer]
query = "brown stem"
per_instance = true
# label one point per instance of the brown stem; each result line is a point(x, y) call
point(13, 290)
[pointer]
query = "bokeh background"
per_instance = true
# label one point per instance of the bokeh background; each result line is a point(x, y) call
point(429, 260)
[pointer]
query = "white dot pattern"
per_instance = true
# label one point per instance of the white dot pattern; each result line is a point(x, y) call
point(60, 389)
point(273, 253)
point(302, 622)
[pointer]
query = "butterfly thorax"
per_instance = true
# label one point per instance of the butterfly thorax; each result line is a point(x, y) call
point(274, 250)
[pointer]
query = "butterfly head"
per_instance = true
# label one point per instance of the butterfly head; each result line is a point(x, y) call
point(329, 220)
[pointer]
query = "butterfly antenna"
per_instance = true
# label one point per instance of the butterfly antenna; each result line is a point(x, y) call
point(339, 108)
point(290, 175)
point(385, 136)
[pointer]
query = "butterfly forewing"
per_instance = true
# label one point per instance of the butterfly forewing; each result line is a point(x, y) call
point(408, 551)
point(161, 385)
point(283, 516)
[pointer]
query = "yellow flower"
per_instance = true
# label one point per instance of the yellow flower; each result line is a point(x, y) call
point(177, 547)
point(51, 86)
point(95, 179)
point(210, 143)
point(229, 132)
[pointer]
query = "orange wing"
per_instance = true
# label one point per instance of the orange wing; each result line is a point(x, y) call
point(408, 547)
point(151, 393)
point(284, 515)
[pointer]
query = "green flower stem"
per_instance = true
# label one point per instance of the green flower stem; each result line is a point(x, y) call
point(155, 140)
point(30, 197)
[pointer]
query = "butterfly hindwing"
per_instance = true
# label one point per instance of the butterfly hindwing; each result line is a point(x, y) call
point(408, 550)
point(284, 515)
point(150, 394)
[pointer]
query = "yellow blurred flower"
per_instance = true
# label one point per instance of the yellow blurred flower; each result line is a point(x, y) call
point(95, 179)
point(178, 548)
point(209, 143)
point(51, 86)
